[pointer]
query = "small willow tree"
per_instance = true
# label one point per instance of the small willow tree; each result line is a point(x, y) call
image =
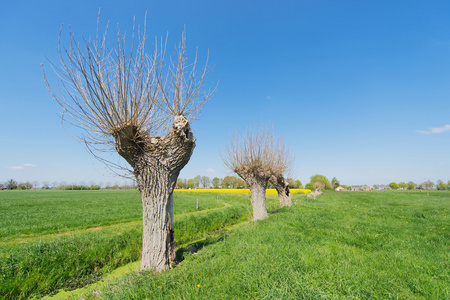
point(255, 156)
point(141, 107)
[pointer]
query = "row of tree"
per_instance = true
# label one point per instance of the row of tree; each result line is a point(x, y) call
point(14, 185)
point(319, 182)
point(259, 156)
point(427, 185)
point(316, 182)
point(226, 182)
point(141, 106)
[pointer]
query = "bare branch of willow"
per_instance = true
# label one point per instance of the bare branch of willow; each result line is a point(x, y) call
point(103, 90)
point(257, 151)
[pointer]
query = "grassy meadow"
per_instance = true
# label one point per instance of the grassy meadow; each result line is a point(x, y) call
point(348, 245)
point(34, 213)
point(67, 239)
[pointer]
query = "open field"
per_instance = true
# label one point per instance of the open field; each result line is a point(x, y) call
point(363, 245)
point(35, 213)
point(39, 212)
point(56, 239)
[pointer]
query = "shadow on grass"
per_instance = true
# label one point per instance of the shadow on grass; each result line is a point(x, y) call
point(193, 248)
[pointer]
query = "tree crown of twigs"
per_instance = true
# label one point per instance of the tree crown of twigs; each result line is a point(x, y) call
point(106, 91)
point(103, 90)
point(257, 152)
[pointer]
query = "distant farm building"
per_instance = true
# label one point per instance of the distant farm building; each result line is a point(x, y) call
point(360, 188)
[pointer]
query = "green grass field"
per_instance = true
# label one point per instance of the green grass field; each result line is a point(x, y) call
point(67, 239)
point(362, 245)
point(41, 212)
point(379, 245)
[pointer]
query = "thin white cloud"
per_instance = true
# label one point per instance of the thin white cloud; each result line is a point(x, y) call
point(15, 167)
point(435, 130)
point(22, 166)
point(211, 171)
point(29, 165)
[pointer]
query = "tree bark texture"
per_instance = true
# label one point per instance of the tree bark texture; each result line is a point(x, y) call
point(157, 162)
point(282, 187)
point(257, 185)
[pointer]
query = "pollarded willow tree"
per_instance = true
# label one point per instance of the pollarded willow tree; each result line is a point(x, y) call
point(282, 186)
point(284, 161)
point(257, 156)
point(141, 107)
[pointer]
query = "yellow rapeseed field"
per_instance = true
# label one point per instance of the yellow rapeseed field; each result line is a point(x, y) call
point(268, 191)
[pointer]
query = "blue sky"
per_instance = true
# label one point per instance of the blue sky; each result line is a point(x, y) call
point(360, 90)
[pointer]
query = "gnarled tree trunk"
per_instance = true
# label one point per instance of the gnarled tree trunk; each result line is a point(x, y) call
point(257, 187)
point(157, 163)
point(282, 187)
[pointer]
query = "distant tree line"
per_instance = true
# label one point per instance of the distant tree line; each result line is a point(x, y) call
point(14, 185)
point(427, 185)
point(316, 182)
point(226, 182)
point(77, 187)
point(320, 182)
point(121, 187)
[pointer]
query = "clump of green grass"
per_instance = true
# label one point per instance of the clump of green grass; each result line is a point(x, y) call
point(197, 226)
point(340, 246)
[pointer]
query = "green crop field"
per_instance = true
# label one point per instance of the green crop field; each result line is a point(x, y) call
point(360, 245)
point(40, 212)
point(67, 239)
